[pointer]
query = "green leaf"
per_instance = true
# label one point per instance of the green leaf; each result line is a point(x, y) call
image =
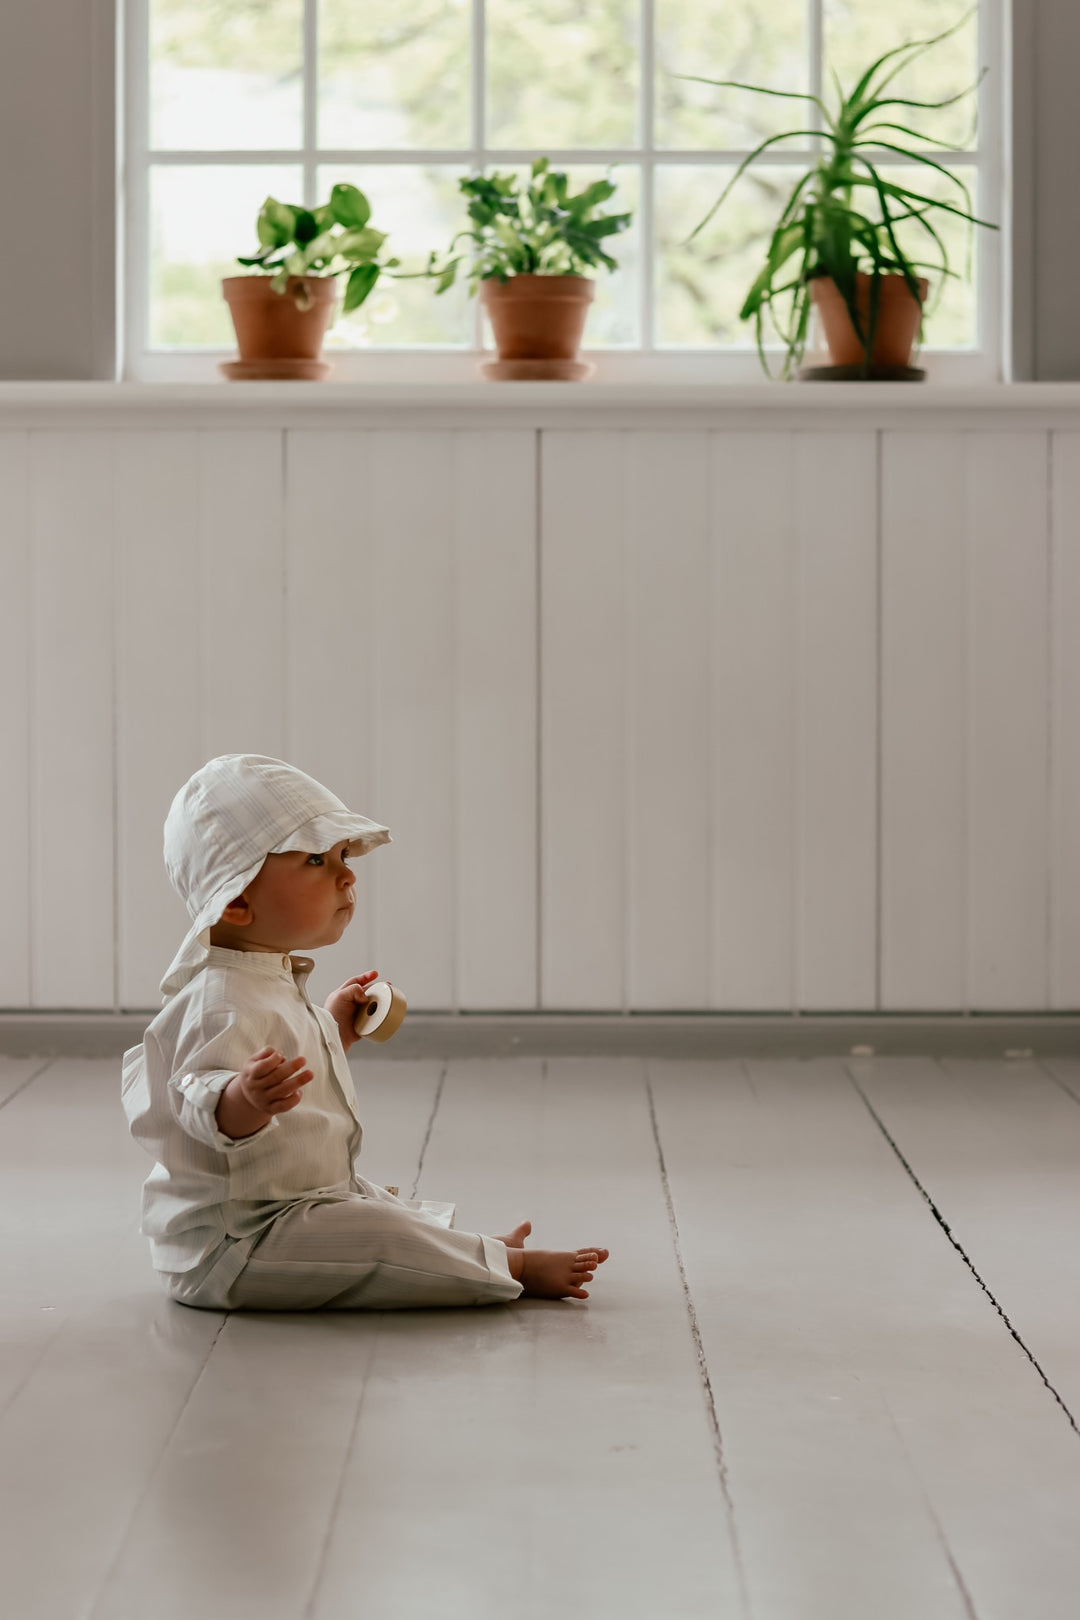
point(306, 228)
point(363, 244)
point(360, 283)
point(758, 89)
point(276, 223)
point(591, 197)
point(745, 164)
point(611, 226)
point(349, 206)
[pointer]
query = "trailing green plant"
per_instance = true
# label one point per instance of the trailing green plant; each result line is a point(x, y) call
point(825, 229)
point(334, 240)
point(534, 228)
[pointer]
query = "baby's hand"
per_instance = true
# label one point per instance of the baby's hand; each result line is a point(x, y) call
point(343, 1003)
point(271, 1082)
point(267, 1084)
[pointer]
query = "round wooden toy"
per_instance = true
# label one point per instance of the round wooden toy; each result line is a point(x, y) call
point(381, 1013)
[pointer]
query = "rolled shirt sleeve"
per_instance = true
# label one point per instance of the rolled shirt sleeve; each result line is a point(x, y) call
point(203, 1068)
point(195, 1097)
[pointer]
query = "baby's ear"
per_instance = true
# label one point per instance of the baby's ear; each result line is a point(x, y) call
point(237, 912)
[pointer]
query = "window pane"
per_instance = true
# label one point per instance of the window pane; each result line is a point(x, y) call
point(701, 287)
point(562, 74)
point(858, 31)
point(728, 39)
point(225, 74)
point(200, 219)
point(420, 209)
point(394, 73)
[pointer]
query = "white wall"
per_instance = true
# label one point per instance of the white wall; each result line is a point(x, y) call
point(740, 712)
point(58, 130)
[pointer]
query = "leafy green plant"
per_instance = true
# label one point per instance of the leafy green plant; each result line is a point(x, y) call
point(825, 229)
point(538, 228)
point(333, 240)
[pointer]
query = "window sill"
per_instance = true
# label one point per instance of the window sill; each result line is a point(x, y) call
point(529, 405)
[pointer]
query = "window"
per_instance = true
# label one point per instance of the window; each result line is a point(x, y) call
point(229, 100)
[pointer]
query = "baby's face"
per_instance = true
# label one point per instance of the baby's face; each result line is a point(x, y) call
point(299, 901)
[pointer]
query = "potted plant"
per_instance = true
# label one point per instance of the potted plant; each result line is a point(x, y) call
point(532, 244)
point(282, 311)
point(836, 245)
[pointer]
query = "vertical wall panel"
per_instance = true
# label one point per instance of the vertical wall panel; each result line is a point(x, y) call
point(15, 589)
point(924, 808)
point(753, 724)
point(245, 655)
point(495, 503)
point(583, 719)
point(74, 931)
point(668, 770)
point(1065, 713)
point(406, 535)
point(1009, 720)
point(836, 572)
point(334, 599)
point(158, 725)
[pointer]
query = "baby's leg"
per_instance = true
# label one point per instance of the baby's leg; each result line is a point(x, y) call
point(369, 1254)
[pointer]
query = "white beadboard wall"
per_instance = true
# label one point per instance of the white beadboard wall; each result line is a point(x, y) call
point(758, 711)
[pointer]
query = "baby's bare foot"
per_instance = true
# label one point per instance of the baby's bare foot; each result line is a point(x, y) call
point(516, 1238)
point(558, 1274)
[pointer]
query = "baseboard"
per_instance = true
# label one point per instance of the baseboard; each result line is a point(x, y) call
point(674, 1035)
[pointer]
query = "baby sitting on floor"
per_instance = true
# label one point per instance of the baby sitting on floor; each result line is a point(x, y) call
point(241, 1091)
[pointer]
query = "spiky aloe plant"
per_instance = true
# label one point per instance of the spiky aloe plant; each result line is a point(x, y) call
point(823, 228)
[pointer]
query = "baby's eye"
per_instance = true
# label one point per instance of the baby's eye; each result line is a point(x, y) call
point(314, 860)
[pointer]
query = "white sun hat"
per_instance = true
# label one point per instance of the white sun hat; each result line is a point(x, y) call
point(226, 820)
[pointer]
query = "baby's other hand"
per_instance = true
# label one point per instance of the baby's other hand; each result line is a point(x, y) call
point(271, 1083)
point(343, 1002)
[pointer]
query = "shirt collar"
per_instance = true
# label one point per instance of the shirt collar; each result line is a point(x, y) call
point(267, 963)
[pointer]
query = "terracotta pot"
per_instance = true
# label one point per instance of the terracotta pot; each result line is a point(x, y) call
point(538, 323)
point(275, 338)
point(899, 315)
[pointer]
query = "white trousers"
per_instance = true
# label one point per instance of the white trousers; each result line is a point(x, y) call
point(358, 1251)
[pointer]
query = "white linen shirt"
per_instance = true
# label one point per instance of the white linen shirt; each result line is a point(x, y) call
point(207, 1187)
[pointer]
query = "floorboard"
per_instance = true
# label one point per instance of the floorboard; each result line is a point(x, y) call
point(96, 1365)
point(552, 1457)
point(995, 1147)
point(890, 1450)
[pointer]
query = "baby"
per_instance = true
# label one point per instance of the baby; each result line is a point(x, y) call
point(242, 1094)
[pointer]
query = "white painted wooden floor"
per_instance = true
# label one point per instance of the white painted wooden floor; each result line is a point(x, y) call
point(830, 1372)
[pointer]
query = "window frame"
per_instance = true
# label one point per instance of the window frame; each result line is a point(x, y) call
point(649, 363)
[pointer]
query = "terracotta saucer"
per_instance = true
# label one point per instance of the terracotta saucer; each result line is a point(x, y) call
point(855, 374)
point(537, 370)
point(275, 370)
